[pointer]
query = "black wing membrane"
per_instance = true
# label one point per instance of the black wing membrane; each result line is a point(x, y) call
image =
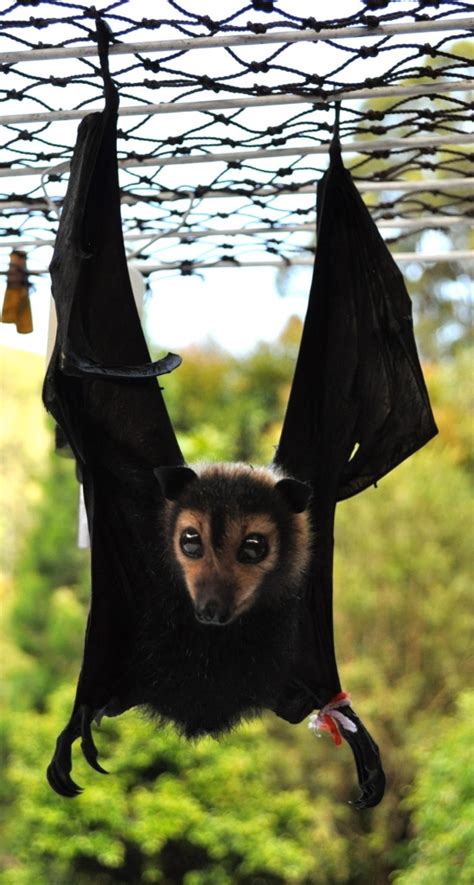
point(100, 388)
point(358, 407)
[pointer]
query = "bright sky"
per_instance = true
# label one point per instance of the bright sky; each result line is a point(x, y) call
point(236, 308)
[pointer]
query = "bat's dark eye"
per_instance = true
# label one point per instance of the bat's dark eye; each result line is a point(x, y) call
point(253, 549)
point(191, 544)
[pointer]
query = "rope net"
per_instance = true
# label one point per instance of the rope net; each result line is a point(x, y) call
point(226, 119)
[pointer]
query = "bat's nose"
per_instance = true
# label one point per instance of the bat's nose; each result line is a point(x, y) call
point(213, 612)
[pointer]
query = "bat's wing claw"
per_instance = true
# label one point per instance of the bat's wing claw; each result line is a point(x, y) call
point(88, 746)
point(59, 770)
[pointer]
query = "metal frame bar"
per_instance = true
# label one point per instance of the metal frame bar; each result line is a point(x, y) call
point(424, 222)
point(454, 255)
point(465, 183)
point(222, 41)
point(376, 144)
point(401, 257)
point(145, 110)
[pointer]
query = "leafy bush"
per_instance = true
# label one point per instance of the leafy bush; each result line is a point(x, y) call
point(174, 811)
point(442, 804)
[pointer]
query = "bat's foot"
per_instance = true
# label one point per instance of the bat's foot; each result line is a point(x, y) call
point(60, 767)
point(58, 772)
point(368, 763)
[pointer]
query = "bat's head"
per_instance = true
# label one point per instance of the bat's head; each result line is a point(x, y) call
point(237, 534)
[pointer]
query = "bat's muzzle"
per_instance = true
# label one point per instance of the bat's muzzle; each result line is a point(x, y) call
point(214, 612)
point(214, 602)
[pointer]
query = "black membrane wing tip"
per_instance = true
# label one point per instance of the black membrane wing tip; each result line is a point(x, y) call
point(77, 366)
point(59, 770)
point(88, 746)
point(368, 763)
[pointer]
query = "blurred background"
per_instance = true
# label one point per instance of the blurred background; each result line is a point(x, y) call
point(269, 803)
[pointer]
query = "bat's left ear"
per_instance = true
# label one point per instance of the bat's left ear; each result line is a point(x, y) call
point(295, 493)
point(173, 480)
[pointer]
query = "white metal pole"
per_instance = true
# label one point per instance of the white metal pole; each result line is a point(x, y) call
point(423, 222)
point(441, 87)
point(433, 184)
point(411, 143)
point(223, 40)
point(453, 255)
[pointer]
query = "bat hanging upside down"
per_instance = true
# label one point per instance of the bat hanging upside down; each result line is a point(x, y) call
point(210, 599)
point(217, 633)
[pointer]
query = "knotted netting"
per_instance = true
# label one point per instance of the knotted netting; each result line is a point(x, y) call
point(227, 111)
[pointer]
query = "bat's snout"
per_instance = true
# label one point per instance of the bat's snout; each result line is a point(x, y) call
point(214, 603)
point(214, 611)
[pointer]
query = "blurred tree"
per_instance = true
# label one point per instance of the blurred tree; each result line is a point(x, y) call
point(23, 447)
point(442, 803)
point(240, 404)
point(174, 812)
point(235, 811)
point(47, 617)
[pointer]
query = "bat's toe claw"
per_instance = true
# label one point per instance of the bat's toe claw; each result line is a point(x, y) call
point(372, 791)
point(90, 755)
point(62, 782)
point(88, 746)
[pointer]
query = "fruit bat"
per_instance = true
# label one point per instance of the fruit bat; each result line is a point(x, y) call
point(212, 588)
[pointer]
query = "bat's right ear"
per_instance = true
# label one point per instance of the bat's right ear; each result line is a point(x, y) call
point(173, 480)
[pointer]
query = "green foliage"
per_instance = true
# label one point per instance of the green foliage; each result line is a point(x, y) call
point(228, 409)
point(174, 811)
point(23, 447)
point(269, 803)
point(442, 804)
point(46, 617)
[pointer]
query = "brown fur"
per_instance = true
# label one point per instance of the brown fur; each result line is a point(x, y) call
point(219, 571)
point(222, 564)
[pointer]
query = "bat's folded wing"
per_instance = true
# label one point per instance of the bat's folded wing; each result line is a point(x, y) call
point(358, 407)
point(100, 388)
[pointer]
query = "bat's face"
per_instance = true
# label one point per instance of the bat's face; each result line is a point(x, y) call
point(236, 534)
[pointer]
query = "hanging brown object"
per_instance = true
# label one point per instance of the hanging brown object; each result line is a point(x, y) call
point(16, 303)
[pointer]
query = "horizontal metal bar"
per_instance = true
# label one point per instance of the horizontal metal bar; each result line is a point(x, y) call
point(428, 221)
point(454, 255)
point(224, 40)
point(144, 110)
point(410, 143)
point(435, 184)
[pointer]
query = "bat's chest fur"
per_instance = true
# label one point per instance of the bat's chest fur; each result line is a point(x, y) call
point(206, 678)
point(216, 620)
